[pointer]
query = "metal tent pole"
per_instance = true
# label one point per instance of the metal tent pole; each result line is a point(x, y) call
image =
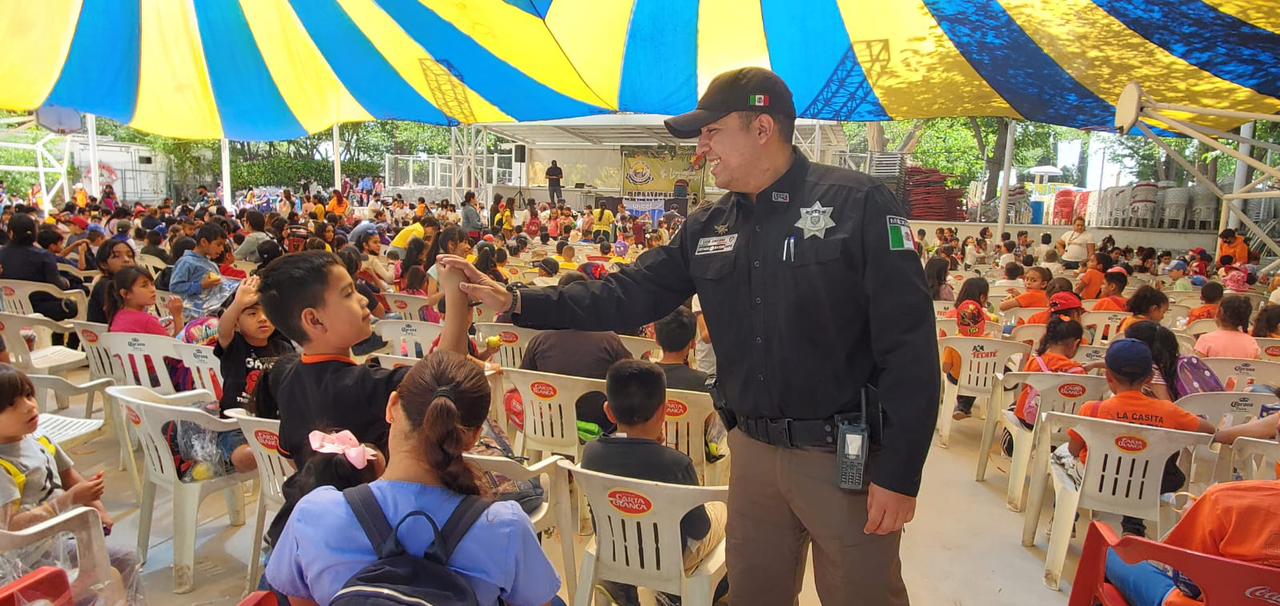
point(91, 123)
point(1227, 219)
point(337, 159)
point(1004, 178)
point(227, 200)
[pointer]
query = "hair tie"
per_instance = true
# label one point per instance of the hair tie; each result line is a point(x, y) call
point(445, 392)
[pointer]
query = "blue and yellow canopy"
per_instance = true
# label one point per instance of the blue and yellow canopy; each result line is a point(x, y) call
point(278, 69)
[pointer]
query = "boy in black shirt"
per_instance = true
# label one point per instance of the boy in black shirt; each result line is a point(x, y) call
point(247, 343)
point(637, 394)
point(310, 297)
point(675, 334)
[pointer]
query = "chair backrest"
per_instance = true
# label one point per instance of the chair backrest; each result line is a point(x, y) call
point(1270, 348)
point(16, 346)
point(1060, 392)
point(408, 306)
point(1012, 317)
point(247, 267)
point(263, 436)
point(410, 338)
point(1186, 344)
point(942, 307)
point(640, 346)
point(392, 362)
point(85, 524)
point(1239, 374)
point(152, 264)
point(947, 328)
point(1088, 354)
point(148, 411)
point(550, 415)
point(1226, 408)
point(687, 413)
point(141, 359)
point(1126, 462)
point(1256, 459)
point(980, 360)
point(637, 526)
point(1104, 325)
point(1174, 314)
point(101, 364)
point(515, 340)
point(205, 367)
point(1028, 333)
point(1217, 577)
point(16, 295)
point(1199, 327)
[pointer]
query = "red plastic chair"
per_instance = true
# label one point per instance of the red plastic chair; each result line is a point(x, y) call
point(1218, 578)
point(45, 583)
point(259, 598)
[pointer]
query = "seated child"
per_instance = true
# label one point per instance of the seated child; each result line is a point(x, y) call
point(1266, 325)
point(1036, 279)
point(1111, 297)
point(971, 321)
point(38, 481)
point(1146, 304)
point(195, 273)
point(131, 299)
point(1210, 296)
point(1055, 353)
point(1056, 285)
point(1129, 368)
point(637, 404)
point(1012, 277)
point(1178, 275)
point(1094, 275)
point(1231, 339)
point(1051, 262)
point(310, 297)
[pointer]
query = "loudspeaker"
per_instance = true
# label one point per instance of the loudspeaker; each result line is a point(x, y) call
point(518, 152)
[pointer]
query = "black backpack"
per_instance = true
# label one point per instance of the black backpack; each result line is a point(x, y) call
point(399, 578)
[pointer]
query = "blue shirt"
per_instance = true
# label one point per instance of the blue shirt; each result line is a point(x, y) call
point(364, 227)
point(189, 272)
point(323, 546)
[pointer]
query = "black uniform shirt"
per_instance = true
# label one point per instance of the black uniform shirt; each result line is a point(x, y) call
point(802, 315)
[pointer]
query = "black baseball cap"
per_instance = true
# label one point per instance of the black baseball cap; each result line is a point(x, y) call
point(750, 89)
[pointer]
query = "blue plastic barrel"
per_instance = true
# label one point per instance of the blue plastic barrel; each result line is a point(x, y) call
point(1037, 212)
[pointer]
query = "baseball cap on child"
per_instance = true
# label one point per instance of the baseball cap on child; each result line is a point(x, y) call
point(1129, 357)
point(971, 319)
point(1064, 301)
point(1178, 265)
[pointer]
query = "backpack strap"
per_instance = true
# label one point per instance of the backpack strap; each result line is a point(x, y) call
point(371, 518)
point(462, 519)
point(48, 445)
point(19, 478)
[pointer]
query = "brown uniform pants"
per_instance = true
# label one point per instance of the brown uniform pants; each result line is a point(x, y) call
point(780, 499)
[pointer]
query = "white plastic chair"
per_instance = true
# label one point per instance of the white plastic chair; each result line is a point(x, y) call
point(981, 360)
point(1239, 374)
point(408, 306)
point(550, 416)
point(93, 568)
point(16, 295)
point(1099, 323)
point(149, 411)
point(409, 338)
point(1186, 344)
point(274, 468)
point(206, 369)
point(1122, 476)
point(1031, 334)
point(393, 362)
point(515, 340)
point(1270, 348)
point(1256, 459)
point(1174, 315)
point(1088, 354)
point(247, 267)
point(103, 365)
point(942, 307)
point(1011, 317)
point(152, 264)
point(48, 360)
point(637, 537)
point(68, 432)
point(1199, 327)
point(1059, 392)
point(641, 348)
point(1224, 409)
point(687, 415)
point(132, 352)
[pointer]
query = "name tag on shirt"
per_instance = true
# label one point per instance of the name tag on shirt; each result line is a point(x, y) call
point(716, 244)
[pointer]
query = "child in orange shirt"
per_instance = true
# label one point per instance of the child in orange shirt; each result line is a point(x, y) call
point(1114, 283)
point(1059, 345)
point(1129, 368)
point(1147, 303)
point(1064, 302)
point(1211, 296)
point(1091, 281)
point(1036, 279)
point(971, 321)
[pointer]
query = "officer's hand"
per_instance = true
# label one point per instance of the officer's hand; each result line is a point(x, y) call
point(887, 511)
point(476, 285)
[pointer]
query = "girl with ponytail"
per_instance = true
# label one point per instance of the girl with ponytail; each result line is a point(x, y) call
point(1055, 353)
point(436, 415)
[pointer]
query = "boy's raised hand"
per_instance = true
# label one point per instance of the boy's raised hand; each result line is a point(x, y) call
point(247, 293)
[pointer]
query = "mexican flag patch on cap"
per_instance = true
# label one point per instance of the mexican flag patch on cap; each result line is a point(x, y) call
point(900, 234)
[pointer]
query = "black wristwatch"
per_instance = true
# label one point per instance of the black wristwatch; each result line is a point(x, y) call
point(515, 299)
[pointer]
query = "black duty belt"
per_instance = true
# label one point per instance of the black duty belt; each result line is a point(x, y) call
point(790, 433)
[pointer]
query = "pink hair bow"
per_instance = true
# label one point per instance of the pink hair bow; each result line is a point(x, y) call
point(342, 443)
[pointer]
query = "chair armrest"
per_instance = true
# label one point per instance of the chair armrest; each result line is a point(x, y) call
point(236, 413)
point(63, 386)
point(40, 321)
point(184, 398)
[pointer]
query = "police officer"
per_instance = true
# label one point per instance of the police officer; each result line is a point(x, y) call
point(824, 333)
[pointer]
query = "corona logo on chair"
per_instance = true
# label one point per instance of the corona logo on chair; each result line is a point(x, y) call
point(630, 503)
point(409, 329)
point(90, 337)
point(546, 391)
point(1244, 367)
point(676, 409)
point(135, 343)
point(268, 439)
point(9, 291)
point(1071, 390)
point(1131, 443)
point(1242, 403)
point(1273, 350)
point(509, 337)
point(1264, 594)
point(133, 416)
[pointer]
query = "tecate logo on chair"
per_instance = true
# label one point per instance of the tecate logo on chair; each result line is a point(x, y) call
point(546, 391)
point(676, 408)
point(630, 503)
point(1071, 390)
point(1131, 443)
point(268, 439)
point(509, 337)
point(9, 291)
point(402, 305)
point(1265, 594)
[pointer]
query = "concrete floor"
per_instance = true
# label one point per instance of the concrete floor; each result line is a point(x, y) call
point(962, 549)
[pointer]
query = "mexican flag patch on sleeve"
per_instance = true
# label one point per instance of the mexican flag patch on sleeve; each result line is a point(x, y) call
point(900, 234)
